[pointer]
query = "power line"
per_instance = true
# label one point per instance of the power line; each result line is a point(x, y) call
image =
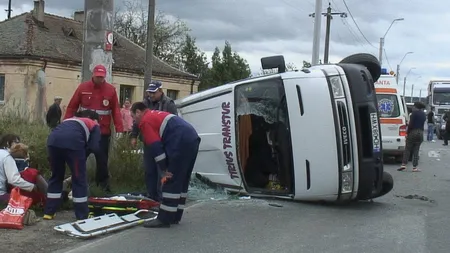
point(349, 12)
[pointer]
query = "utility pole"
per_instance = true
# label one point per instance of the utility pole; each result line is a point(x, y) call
point(329, 15)
point(316, 37)
point(397, 73)
point(404, 86)
point(9, 10)
point(412, 93)
point(97, 37)
point(149, 46)
point(420, 95)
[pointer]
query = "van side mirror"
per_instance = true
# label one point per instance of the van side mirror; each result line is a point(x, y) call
point(272, 62)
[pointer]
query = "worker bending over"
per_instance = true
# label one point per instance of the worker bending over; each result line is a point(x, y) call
point(68, 144)
point(172, 144)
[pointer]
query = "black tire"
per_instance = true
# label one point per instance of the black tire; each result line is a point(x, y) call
point(367, 60)
point(387, 185)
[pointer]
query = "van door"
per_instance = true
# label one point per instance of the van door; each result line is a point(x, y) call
point(391, 119)
point(405, 110)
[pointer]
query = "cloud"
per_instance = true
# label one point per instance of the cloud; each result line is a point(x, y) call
point(258, 28)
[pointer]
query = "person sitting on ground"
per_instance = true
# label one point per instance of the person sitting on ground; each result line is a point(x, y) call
point(9, 173)
point(20, 154)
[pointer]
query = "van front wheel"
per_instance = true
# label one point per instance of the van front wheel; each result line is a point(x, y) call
point(387, 185)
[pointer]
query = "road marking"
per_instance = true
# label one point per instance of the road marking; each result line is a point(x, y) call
point(433, 154)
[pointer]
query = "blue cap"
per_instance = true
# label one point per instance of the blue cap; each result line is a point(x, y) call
point(154, 86)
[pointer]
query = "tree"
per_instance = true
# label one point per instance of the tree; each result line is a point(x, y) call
point(227, 66)
point(169, 36)
point(193, 60)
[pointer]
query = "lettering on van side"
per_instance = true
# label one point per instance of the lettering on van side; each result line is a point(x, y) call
point(375, 132)
point(226, 137)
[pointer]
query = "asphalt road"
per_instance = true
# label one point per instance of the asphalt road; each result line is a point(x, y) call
point(414, 217)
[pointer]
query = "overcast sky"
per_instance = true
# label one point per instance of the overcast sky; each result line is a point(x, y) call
point(258, 28)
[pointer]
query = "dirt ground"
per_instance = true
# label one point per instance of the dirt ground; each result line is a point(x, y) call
point(39, 237)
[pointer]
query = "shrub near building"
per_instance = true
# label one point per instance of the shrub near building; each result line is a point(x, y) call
point(126, 167)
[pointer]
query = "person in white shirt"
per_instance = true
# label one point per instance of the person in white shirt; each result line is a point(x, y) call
point(9, 174)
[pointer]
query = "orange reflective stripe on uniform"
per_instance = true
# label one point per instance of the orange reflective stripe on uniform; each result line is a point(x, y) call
point(164, 124)
point(86, 129)
point(99, 112)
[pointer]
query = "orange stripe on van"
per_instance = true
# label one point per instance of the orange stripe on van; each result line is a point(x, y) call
point(386, 90)
point(391, 121)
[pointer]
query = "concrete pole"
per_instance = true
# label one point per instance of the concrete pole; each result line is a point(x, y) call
point(404, 86)
point(412, 93)
point(149, 46)
point(327, 35)
point(397, 74)
point(98, 37)
point(380, 57)
point(316, 37)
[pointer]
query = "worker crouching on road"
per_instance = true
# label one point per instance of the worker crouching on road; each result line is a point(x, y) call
point(172, 144)
point(68, 144)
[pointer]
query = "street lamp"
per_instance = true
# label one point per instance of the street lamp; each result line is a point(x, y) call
point(404, 80)
point(412, 89)
point(382, 40)
point(398, 67)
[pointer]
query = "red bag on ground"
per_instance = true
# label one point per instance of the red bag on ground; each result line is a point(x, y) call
point(12, 215)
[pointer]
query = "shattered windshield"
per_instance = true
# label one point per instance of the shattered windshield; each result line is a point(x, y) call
point(263, 98)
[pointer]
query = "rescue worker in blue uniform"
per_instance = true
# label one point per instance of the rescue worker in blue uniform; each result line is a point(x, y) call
point(68, 144)
point(155, 100)
point(172, 144)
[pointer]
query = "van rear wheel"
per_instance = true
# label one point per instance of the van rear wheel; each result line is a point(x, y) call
point(367, 60)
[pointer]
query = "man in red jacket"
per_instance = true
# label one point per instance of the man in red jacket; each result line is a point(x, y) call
point(99, 96)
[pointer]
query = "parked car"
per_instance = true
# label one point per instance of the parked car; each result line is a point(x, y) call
point(311, 135)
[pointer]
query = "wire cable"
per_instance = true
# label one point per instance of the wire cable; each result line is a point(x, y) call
point(351, 15)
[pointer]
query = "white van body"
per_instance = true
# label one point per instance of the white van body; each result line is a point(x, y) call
point(393, 116)
point(305, 129)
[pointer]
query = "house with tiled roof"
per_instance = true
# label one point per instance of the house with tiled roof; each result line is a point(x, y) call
point(37, 41)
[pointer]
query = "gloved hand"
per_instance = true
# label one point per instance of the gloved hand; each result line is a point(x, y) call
point(165, 176)
point(119, 135)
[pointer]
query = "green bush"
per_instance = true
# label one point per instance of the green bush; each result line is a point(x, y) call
point(125, 168)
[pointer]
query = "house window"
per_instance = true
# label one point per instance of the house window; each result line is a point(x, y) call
point(173, 94)
point(126, 92)
point(2, 88)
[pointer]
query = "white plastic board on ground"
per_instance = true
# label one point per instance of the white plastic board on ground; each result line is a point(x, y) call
point(103, 224)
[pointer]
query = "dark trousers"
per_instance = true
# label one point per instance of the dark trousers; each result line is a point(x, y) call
point(446, 137)
point(174, 191)
point(101, 158)
point(152, 177)
point(76, 160)
point(413, 142)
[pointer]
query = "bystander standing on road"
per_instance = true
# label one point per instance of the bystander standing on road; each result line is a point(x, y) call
point(415, 136)
point(431, 123)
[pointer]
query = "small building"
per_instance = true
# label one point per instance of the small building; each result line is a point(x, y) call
point(40, 58)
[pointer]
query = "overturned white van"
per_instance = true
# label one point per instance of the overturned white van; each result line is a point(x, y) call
point(305, 135)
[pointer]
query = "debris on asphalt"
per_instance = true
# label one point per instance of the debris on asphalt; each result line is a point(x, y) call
point(275, 205)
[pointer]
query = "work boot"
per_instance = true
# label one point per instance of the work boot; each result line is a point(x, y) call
point(49, 216)
point(156, 224)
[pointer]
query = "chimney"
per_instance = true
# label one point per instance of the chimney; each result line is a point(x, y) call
point(38, 11)
point(78, 16)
